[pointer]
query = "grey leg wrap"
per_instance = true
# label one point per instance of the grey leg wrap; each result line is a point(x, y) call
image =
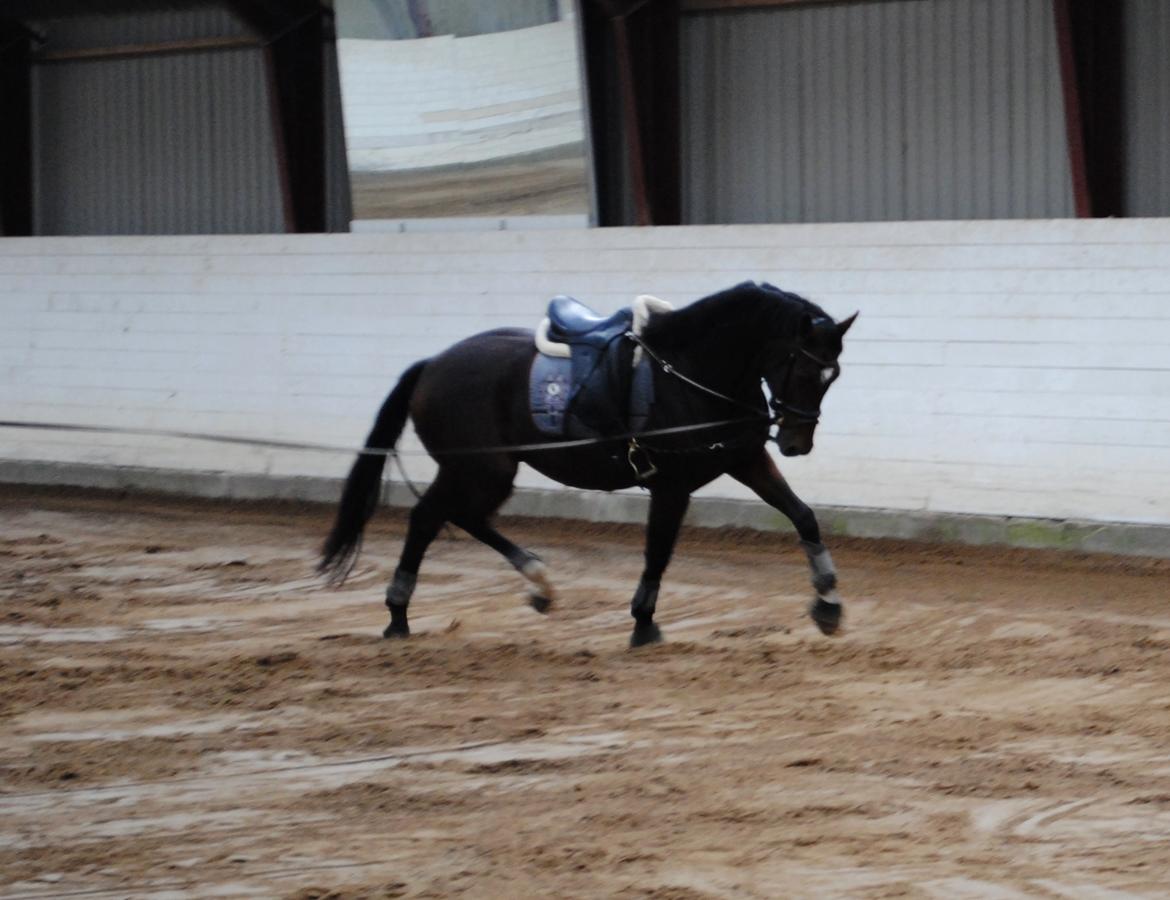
point(541, 594)
point(645, 600)
point(824, 573)
point(401, 589)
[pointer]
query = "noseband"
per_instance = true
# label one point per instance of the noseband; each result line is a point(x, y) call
point(791, 416)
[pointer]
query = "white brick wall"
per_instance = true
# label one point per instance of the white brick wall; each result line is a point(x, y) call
point(1015, 368)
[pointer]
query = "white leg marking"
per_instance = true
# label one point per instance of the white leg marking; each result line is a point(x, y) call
point(538, 584)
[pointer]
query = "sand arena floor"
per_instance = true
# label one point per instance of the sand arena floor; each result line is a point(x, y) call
point(186, 712)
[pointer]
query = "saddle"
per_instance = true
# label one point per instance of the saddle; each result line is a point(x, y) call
point(572, 322)
point(586, 381)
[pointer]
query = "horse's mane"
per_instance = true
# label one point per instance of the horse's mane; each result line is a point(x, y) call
point(749, 308)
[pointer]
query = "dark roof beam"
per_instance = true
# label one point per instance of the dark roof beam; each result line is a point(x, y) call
point(16, 192)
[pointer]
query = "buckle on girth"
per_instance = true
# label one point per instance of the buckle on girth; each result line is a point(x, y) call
point(640, 462)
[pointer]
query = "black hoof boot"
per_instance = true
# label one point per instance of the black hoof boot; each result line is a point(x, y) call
point(826, 615)
point(645, 633)
point(541, 604)
point(398, 627)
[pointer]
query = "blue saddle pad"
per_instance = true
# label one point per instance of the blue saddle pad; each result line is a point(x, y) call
point(609, 400)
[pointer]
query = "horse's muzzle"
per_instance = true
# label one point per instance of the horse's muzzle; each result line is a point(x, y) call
point(796, 441)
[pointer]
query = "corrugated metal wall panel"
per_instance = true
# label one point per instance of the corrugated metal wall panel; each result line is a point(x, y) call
point(1147, 108)
point(140, 26)
point(947, 109)
point(172, 144)
point(391, 19)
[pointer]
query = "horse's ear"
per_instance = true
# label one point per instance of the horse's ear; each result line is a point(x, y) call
point(845, 325)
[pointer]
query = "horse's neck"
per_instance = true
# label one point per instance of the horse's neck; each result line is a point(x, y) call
point(723, 357)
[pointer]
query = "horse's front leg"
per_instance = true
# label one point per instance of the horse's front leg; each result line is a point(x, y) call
point(761, 475)
point(667, 507)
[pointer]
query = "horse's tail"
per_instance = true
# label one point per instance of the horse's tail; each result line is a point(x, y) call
point(359, 498)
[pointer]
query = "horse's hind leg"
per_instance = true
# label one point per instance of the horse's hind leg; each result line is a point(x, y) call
point(426, 519)
point(466, 497)
point(485, 494)
point(540, 590)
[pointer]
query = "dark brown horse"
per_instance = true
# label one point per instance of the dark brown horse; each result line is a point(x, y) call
point(470, 403)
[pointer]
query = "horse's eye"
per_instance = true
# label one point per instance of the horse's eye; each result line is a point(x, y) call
point(826, 376)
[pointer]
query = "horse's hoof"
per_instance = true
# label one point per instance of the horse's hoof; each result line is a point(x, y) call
point(645, 634)
point(540, 589)
point(394, 631)
point(826, 615)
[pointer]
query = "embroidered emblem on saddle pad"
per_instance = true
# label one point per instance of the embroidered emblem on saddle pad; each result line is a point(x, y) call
point(549, 385)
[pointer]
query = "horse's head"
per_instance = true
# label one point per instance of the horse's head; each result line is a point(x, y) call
point(799, 372)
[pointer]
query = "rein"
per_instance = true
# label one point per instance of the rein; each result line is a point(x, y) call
point(671, 370)
point(645, 467)
point(782, 410)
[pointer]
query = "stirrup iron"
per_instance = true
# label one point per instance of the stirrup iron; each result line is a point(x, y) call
point(647, 469)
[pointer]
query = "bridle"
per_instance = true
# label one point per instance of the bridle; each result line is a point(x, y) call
point(788, 415)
